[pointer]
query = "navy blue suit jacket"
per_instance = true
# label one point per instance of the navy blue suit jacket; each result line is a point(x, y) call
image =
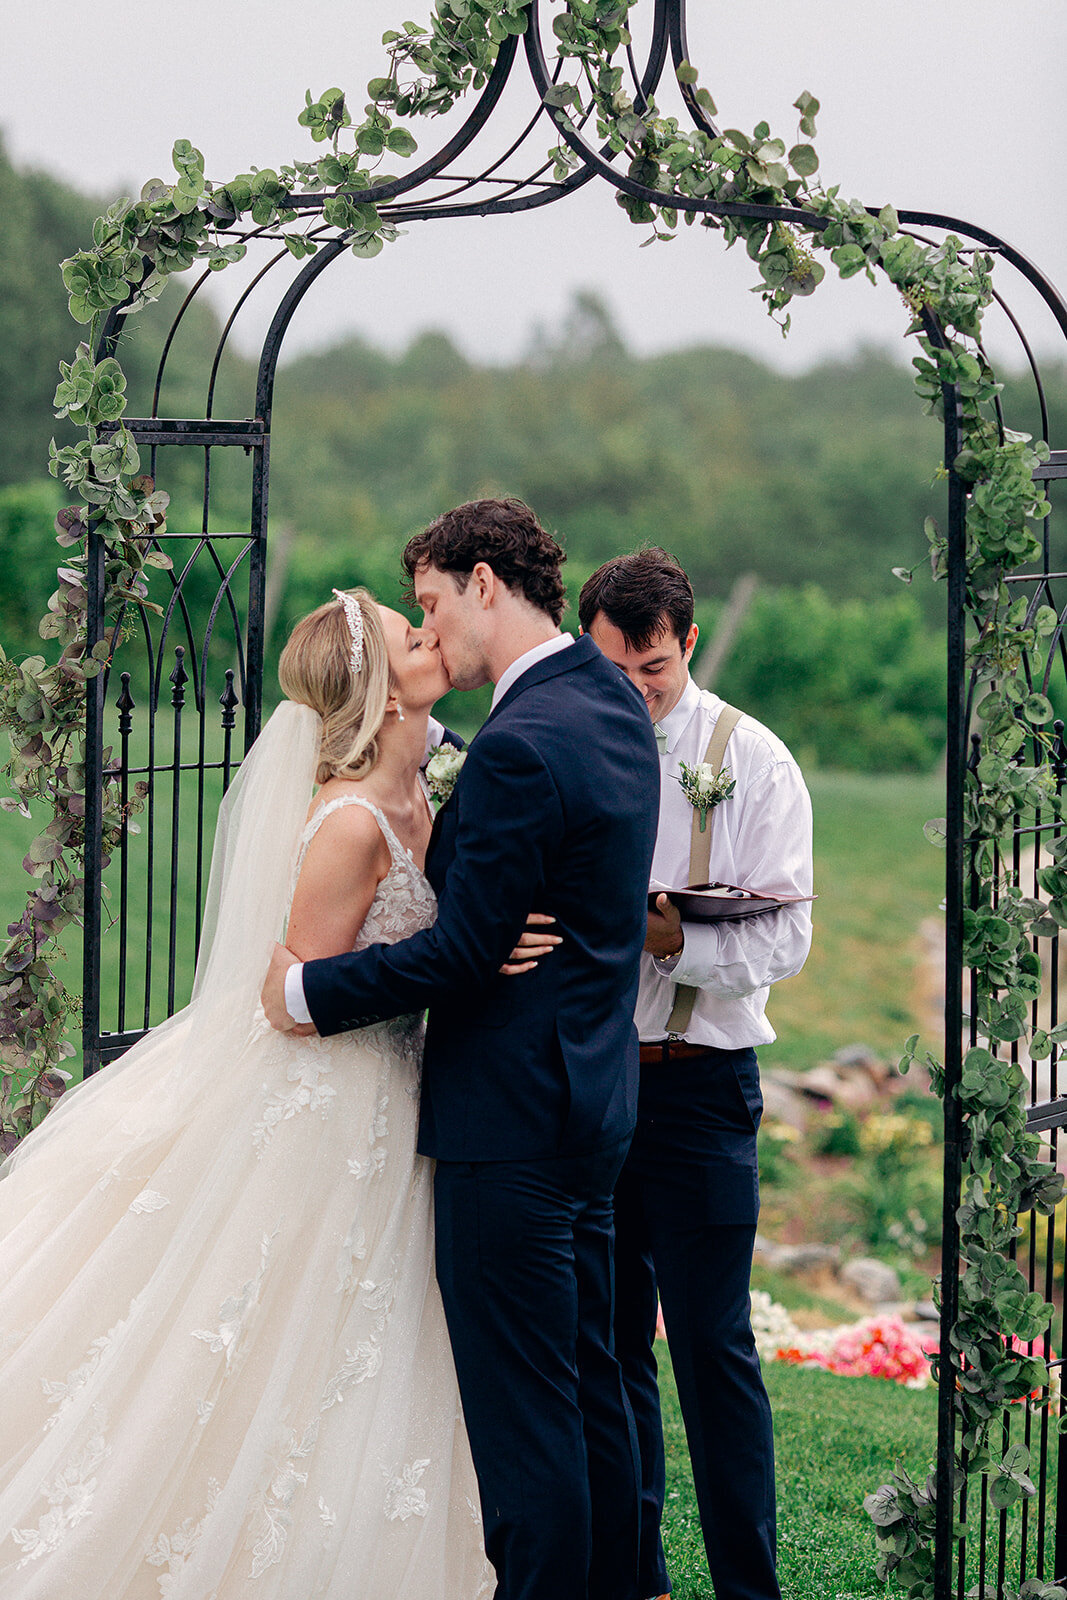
point(555, 809)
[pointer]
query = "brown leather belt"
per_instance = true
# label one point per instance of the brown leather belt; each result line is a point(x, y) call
point(653, 1055)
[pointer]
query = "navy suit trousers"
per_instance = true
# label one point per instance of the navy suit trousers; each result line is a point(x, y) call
point(524, 1261)
point(685, 1215)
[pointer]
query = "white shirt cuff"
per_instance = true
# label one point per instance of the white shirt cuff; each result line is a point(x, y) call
point(665, 965)
point(295, 1003)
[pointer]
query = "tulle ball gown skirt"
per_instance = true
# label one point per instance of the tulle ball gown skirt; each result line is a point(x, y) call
point(224, 1369)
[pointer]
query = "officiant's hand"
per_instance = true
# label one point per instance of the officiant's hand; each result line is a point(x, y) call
point(273, 995)
point(533, 944)
point(664, 936)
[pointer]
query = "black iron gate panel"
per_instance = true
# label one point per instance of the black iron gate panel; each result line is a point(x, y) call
point(170, 717)
point(984, 1548)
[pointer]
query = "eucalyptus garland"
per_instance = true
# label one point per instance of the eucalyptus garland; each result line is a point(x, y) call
point(668, 173)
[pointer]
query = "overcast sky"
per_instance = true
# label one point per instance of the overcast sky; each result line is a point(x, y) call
point(956, 107)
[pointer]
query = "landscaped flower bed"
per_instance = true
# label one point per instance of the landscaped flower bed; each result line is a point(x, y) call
point(876, 1347)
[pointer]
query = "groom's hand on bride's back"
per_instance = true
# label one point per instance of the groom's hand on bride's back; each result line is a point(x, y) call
point(273, 996)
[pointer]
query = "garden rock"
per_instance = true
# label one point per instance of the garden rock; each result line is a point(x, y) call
point(872, 1280)
point(797, 1257)
point(854, 1089)
point(830, 1083)
point(781, 1100)
point(861, 1058)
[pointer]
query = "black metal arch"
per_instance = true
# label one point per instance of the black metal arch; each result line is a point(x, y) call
point(208, 651)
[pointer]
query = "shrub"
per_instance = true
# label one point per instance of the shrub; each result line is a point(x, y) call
point(854, 684)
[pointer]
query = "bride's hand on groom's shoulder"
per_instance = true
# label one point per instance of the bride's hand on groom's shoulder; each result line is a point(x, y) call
point(533, 944)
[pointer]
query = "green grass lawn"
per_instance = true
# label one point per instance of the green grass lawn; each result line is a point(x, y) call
point(877, 878)
point(836, 1439)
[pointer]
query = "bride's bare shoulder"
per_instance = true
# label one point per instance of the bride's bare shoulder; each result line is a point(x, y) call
point(345, 861)
point(350, 829)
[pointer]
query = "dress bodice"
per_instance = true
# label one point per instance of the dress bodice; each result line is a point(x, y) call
point(404, 902)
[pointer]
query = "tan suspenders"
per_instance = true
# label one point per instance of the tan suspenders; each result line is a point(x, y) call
point(700, 858)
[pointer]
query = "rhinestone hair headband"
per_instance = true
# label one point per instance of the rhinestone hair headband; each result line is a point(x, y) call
point(354, 615)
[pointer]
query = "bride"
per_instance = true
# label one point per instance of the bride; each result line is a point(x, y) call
point(224, 1369)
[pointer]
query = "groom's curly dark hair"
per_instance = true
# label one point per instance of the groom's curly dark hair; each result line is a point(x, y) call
point(504, 534)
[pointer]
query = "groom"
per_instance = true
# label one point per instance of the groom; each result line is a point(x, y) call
point(529, 1085)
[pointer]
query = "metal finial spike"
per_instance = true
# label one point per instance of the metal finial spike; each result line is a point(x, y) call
point(229, 701)
point(179, 677)
point(125, 701)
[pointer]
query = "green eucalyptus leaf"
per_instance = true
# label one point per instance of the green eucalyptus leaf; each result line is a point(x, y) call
point(400, 142)
point(774, 269)
point(848, 259)
point(803, 160)
point(632, 129)
point(367, 245)
point(1037, 708)
point(370, 140)
point(936, 832)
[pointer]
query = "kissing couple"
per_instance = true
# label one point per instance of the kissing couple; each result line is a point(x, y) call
point(228, 1365)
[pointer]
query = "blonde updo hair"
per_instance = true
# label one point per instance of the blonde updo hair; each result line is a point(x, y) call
point(316, 670)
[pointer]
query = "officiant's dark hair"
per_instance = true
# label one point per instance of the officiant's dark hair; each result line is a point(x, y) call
point(504, 534)
point(639, 594)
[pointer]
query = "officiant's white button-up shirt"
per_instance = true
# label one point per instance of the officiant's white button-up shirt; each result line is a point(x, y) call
point(761, 838)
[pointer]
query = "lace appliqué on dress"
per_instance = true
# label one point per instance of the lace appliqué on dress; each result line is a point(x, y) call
point(61, 1395)
point(310, 1065)
point(364, 1362)
point(69, 1494)
point(352, 1251)
point(275, 1519)
point(378, 1297)
point(174, 1550)
point(405, 1497)
point(374, 1160)
point(236, 1311)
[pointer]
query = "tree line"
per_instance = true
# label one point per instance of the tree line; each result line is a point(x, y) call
point(816, 484)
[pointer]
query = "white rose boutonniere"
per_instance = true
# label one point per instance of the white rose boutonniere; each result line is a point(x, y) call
point(442, 770)
point(704, 788)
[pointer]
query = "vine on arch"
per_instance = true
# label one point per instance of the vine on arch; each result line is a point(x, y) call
point(671, 172)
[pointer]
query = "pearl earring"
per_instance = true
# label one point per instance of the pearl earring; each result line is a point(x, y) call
point(399, 713)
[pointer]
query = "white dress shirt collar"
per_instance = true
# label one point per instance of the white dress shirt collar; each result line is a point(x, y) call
point(677, 720)
point(524, 662)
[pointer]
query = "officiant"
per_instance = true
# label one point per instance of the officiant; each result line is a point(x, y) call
point(733, 810)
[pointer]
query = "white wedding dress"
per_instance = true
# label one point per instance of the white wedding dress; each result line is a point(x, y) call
point(224, 1368)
